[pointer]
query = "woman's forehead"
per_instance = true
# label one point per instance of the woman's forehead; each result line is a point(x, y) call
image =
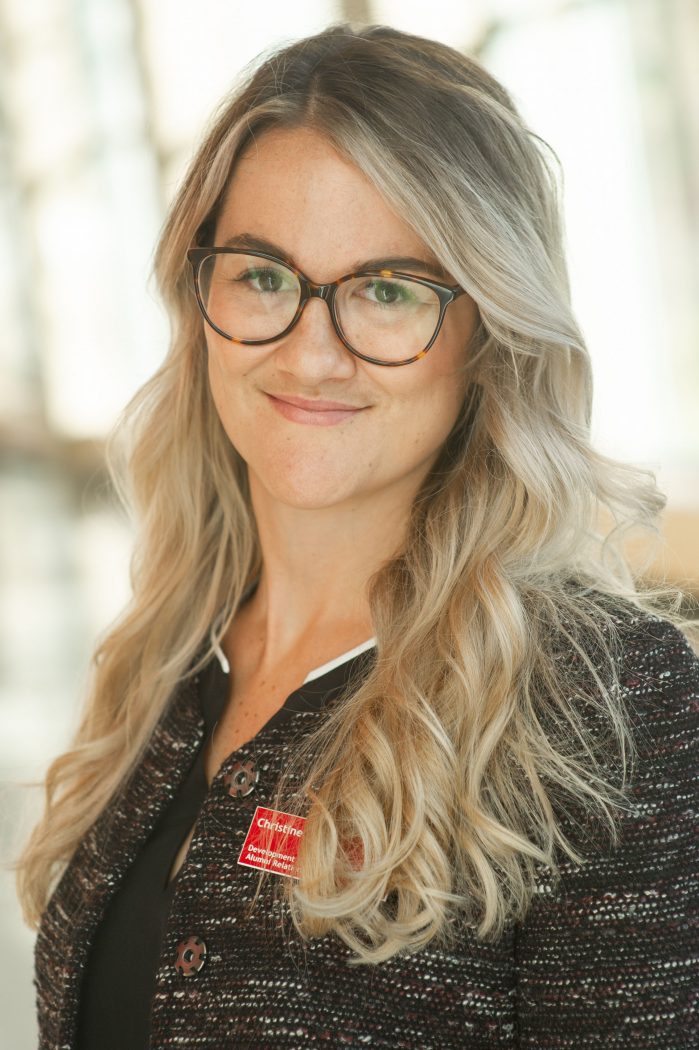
point(294, 191)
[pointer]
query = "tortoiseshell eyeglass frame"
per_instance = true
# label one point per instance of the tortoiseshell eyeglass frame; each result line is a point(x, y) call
point(309, 289)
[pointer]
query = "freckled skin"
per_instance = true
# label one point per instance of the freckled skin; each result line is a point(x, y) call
point(292, 187)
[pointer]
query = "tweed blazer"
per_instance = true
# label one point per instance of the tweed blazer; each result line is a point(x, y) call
point(608, 958)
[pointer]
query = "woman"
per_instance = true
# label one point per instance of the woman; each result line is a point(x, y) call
point(386, 749)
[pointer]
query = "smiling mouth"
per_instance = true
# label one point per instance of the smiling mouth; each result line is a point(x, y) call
point(313, 416)
point(317, 405)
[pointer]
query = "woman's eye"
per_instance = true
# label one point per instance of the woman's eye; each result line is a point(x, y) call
point(269, 280)
point(389, 292)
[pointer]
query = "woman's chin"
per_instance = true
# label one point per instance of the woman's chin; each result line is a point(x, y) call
point(303, 491)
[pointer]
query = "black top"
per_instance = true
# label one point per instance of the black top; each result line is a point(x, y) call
point(119, 980)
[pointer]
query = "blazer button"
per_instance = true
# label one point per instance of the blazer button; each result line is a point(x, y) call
point(191, 956)
point(242, 779)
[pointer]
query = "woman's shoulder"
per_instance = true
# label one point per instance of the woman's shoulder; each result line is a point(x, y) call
point(659, 681)
point(658, 660)
point(646, 644)
point(618, 933)
point(654, 691)
point(657, 692)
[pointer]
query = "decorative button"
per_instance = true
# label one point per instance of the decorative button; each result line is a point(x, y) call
point(191, 956)
point(241, 779)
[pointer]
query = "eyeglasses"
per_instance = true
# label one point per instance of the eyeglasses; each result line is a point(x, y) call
point(382, 316)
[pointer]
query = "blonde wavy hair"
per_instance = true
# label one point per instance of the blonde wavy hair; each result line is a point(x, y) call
point(444, 770)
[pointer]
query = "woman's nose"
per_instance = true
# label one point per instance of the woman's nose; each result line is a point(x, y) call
point(313, 345)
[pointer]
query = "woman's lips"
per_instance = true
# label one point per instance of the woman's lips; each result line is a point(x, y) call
point(318, 418)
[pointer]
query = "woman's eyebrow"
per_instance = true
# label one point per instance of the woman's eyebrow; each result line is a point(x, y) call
point(255, 243)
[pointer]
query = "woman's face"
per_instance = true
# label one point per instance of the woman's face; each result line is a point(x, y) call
point(293, 189)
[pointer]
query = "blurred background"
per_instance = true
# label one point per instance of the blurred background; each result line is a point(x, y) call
point(101, 106)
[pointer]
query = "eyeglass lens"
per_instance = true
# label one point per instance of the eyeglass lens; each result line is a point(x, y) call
point(250, 297)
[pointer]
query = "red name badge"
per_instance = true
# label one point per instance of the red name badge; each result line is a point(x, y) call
point(272, 842)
